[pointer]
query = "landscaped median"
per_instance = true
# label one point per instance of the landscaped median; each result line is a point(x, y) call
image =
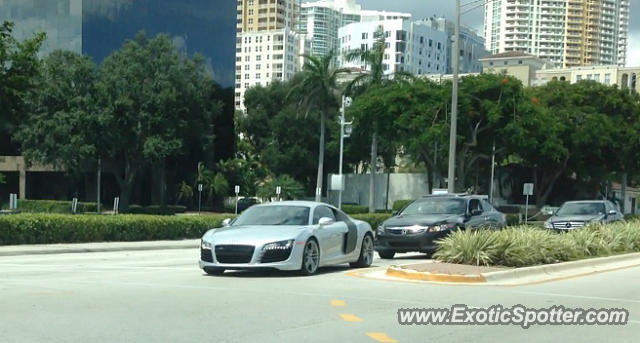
point(48, 228)
point(44, 228)
point(524, 254)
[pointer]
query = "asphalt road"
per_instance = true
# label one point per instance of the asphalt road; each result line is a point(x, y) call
point(161, 296)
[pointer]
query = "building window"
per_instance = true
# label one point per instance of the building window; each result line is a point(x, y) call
point(596, 77)
point(607, 79)
point(365, 35)
point(520, 62)
point(259, 58)
point(578, 78)
point(258, 76)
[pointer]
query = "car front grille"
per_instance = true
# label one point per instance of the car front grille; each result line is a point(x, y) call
point(234, 253)
point(205, 255)
point(275, 255)
point(403, 244)
point(568, 225)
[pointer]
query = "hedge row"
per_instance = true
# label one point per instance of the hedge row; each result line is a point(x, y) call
point(53, 206)
point(354, 209)
point(523, 246)
point(374, 219)
point(41, 228)
point(156, 209)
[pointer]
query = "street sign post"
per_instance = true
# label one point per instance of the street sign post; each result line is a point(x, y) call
point(527, 190)
point(199, 198)
point(278, 192)
point(74, 205)
point(237, 189)
point(116, 205)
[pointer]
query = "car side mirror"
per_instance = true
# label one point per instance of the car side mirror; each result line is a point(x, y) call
point(326, 221)
point(226, 222)
point(476, 212)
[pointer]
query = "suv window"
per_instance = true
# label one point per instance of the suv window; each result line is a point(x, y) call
point(487, 206)
point(474, 204)
point(321, 212)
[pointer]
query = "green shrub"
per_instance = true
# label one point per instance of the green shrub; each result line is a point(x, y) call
point(513, 219)
point(399, 205)
point(522, 246)
point(354, 209)
point(54, 206)
point(374, 219)
point(156, 209)
point(40, 228)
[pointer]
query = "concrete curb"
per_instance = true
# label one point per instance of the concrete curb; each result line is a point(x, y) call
point(526, 275)
point(43, 249)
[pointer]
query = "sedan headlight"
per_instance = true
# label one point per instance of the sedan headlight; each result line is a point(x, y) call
point(441, 227)
point(281, 245)
point(205, 245)
point(380, 230)
point(548, 225)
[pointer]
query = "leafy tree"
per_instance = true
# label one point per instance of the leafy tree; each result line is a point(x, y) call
point(2, 179)
point(318, 83)
point(213, 184)
point(19, 67)
point(285, 140)
point(150, 100)
point(290, 188)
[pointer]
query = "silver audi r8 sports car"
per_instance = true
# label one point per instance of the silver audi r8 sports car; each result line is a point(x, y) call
point(288, 235)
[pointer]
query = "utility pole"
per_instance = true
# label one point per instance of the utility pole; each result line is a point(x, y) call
point(451, 178)
point(99, 184)
point(493, 165)
point(346, 102)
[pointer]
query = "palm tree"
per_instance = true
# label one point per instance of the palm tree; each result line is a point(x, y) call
point(374, 77)
point(321, 91)
point(374, 58)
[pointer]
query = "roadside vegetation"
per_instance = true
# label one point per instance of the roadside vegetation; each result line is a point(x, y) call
point(522, 246)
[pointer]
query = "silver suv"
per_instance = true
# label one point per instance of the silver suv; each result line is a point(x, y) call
point(576, 214)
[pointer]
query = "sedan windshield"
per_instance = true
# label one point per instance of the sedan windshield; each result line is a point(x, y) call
point(435, 206)
point(581, 209)
point(274, 215)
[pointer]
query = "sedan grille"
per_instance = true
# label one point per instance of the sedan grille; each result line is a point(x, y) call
point(396, 231)
point(567, 225)
point(234, 253)
point(206, 256)
point(275, 255)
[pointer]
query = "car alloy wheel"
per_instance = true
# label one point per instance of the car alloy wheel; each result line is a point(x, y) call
point(310, 257)
point(366, 253)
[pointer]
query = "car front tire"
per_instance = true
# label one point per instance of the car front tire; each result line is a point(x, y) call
point(366, 253)
point(310, 258)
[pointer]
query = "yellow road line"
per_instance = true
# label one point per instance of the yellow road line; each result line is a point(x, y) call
point(350, 318)
point(381, 337)
point(335, 302)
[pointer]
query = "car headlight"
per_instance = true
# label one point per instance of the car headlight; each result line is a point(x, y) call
point(380, 230)
point(548, 225)
point(281, 245)
point(206, 245)
point(441, 227)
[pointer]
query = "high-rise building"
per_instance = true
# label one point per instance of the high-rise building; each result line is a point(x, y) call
point(320, 21)
point(268, 47)
point(419, 47)
point(98, 27)
point(565, 33)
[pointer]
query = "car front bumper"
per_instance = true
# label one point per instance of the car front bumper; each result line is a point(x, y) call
point(422, 242)
point(209, 260)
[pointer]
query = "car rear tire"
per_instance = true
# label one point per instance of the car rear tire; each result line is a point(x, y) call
point(386, 254)
point(366, 253)
point(214, 271)
point(310, 258)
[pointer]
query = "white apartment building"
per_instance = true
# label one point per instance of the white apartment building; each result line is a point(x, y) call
point(320, 21)
point(419, 47)
point(267, 46)
point(565, 33)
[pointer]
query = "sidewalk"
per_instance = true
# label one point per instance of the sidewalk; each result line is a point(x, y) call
point(457, 273)
point(37, 249)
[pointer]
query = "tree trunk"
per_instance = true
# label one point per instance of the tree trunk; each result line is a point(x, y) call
point(320, 158)
point(372, 179)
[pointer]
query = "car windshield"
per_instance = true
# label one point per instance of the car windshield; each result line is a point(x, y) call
point(435, 206)
point(274, 215)
point(581, 209)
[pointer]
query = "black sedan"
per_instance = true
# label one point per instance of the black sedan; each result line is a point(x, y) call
point(421, 223)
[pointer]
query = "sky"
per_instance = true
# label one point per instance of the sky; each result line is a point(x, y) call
point(427, 8)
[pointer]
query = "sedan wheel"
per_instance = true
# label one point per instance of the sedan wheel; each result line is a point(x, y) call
point(310, 258)
point(366, 253)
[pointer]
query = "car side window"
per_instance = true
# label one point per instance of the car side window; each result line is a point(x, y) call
point(340, 216)
point(487, 206)
point(474, 204)
point(321, 212)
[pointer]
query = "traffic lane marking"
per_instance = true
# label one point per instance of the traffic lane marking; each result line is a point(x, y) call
point(381, 337)
point(350, 318)
point(336, 302)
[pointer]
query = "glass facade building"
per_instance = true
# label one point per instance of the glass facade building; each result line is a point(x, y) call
point(98, 27)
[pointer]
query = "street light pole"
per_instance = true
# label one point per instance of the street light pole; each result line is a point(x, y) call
point(451, 178)
point(493, 166)
point(345, 103)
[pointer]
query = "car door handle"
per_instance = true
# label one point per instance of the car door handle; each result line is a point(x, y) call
point(486, 218)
